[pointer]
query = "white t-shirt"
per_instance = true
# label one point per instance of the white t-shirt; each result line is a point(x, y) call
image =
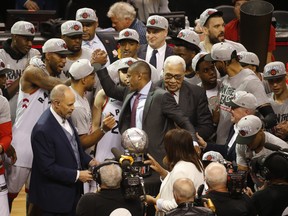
point(244, 154)
point(245, 80)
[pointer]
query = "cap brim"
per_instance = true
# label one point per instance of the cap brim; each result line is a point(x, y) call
point(232, 104)
point(64, 52)
point(86, 21)
point(74, 33)
point(275, 77)
point(122, 39)
point(245, 140)
point(180, 42)
point(208, 57)
point(155, 27)
point(5, 70)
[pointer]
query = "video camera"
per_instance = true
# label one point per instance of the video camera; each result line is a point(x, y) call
point(236, 180)
point(135, 142)
point(272, 166)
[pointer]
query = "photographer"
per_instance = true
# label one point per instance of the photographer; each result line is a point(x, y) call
point(184, 194)
point(110, 197)
point(216, 179)
point(272, 200)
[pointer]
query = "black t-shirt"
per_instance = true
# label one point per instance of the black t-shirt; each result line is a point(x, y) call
point(226, 205)
point(106, 201)
point(271, 201)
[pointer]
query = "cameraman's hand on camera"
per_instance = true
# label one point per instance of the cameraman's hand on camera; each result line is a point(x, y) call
point(281, 130)
point(156, 166)
point(99, 56)
point(93, 162)
point(248, 191)
point(85, 175)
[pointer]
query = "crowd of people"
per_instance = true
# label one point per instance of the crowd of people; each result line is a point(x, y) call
point(200, 97)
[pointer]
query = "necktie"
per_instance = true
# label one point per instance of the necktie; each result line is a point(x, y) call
point(133, 111)
point(153, 59)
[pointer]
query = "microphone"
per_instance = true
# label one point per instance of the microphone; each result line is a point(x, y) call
point(124, 160)
point(273, 147)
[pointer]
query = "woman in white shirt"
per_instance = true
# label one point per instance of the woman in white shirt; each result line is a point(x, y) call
point(182, 161)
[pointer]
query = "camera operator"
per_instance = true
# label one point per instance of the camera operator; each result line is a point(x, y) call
point(251, 141)
point(216, 180)
point(110, 197)
point(184, 194)
point(273, 199)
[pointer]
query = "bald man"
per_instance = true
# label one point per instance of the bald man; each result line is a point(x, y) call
point(184, 194)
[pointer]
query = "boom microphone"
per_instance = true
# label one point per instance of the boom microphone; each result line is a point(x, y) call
point(273, 147)
point(124, 160)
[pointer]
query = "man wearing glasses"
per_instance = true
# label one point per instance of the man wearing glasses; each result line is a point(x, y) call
point(192, 99)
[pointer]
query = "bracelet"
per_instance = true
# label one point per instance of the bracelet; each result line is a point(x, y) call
point(102, 130)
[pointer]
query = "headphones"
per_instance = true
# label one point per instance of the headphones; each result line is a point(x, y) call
point(96, 170)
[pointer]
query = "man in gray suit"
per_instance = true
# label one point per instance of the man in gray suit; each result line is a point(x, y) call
point(156, 112)
point(192, 99)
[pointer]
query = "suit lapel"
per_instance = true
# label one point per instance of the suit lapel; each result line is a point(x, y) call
point(60, 130)
point(147, 104)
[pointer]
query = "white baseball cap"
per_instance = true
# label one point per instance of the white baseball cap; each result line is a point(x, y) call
point(86, 15)
point(157, 22)
point(220, 52)
point(207, 14)
point(189, 38)
point(243, 99)
point(81, 68)
point(125, 62)
point(248, 127)
point(248, 58)
point(128, 34)
point(23, 28)
point(71, 28)
point(212, 156)
point(3, 68)
point(56, 45)
point(197, 58)
point(120, 212)
point(274, 70)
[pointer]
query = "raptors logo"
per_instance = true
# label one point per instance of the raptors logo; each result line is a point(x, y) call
point(273, 72)
point(85, 15)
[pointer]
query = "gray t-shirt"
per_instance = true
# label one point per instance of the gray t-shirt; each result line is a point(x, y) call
point(245, 80)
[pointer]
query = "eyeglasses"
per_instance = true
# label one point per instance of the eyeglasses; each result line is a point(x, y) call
point(276, 80)
point(175, 76)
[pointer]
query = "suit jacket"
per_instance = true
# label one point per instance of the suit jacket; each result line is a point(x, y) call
point(194, 104)
point(54, 168)
point(109, 43)
point(143, 51)
point(159, 115)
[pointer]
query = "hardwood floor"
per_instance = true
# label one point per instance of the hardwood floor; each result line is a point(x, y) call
point(19, 205)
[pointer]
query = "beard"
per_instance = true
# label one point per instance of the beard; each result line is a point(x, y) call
point(214, 40)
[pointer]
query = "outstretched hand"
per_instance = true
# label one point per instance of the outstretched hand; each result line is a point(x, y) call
point(99, 56)
point(156, 166)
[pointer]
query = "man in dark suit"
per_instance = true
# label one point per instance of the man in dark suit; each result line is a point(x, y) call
point(96, 40)
point(192, 99)
point(157, 50)
point(156, 112)
point(59, 163)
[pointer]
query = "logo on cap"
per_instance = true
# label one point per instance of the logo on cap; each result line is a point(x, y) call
point(127, 34)
point(273, 72)
point(32, 30)
point(243, 132)
point(85, 15)
point(2, 64)
point(153, 21)
point(129, 62)
point(76, 27)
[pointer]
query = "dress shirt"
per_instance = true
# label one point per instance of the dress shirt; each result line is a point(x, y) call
point(160, 56)
point(94, 44)
point(139, 113)
point(65, 126)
